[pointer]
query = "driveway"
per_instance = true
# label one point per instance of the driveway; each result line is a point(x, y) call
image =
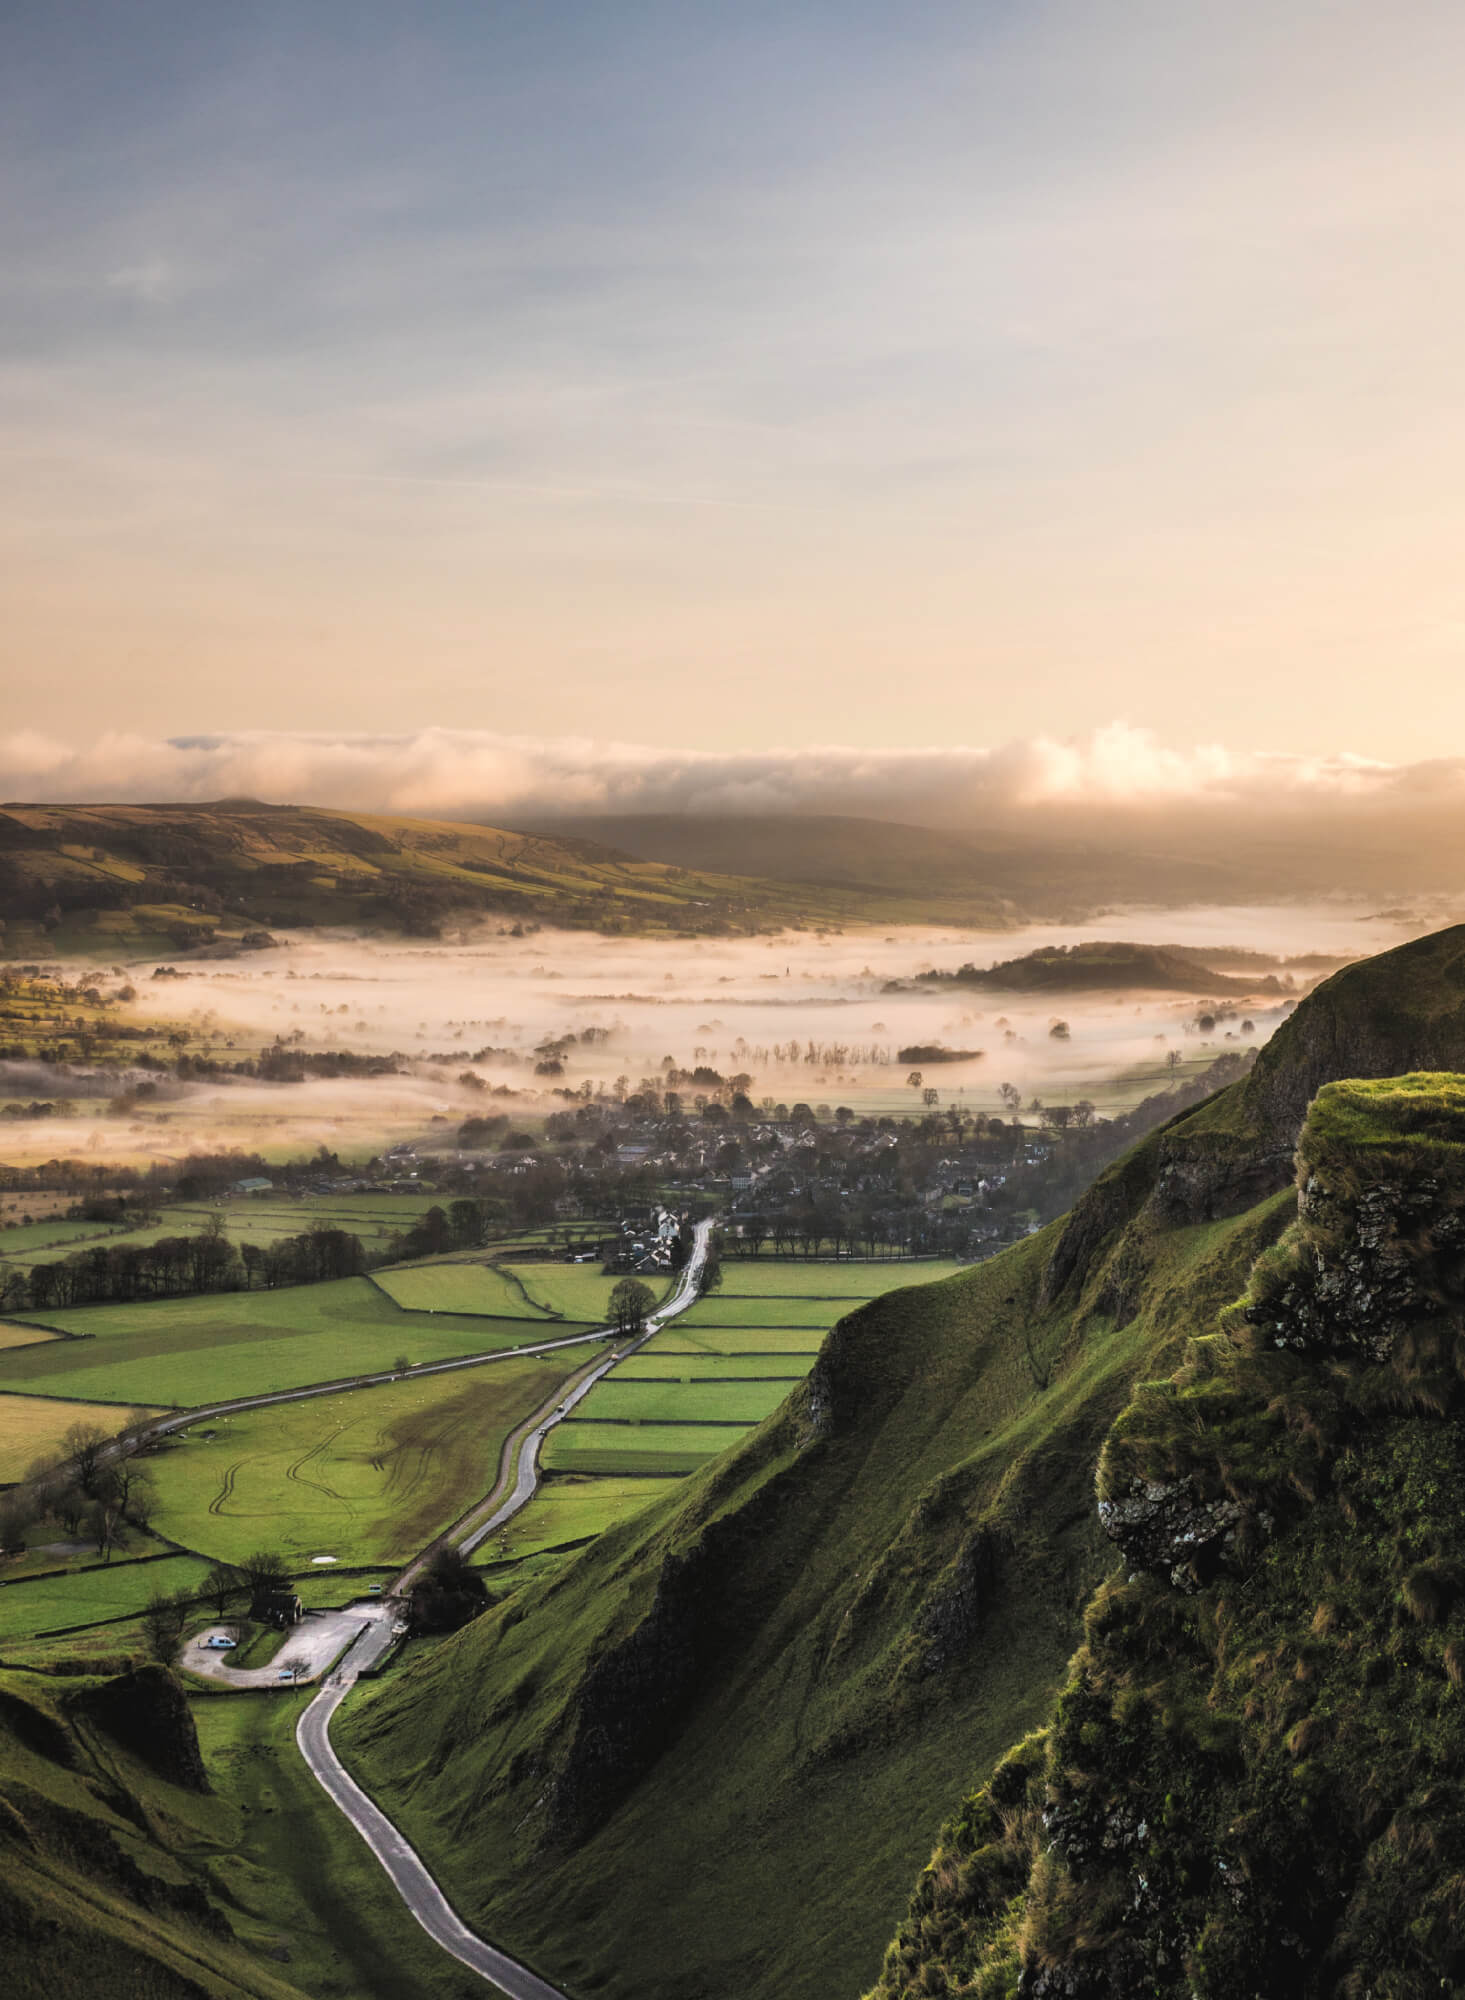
point(319, 1639)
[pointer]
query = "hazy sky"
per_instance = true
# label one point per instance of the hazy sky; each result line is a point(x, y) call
point(736, 375)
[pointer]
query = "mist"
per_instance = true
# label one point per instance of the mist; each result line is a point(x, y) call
point(806, 1018)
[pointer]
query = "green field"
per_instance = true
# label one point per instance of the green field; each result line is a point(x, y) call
point(656, 1364)
point(185, 1351)
point(724, 1310)
point(787, 1277)
point(646, 1401)
point(626, 1449)
point(568, 1508)
point(367, 1476)
point(679, 1338)
point(461, 1288)
point(120, 1590)
point(578, 1291)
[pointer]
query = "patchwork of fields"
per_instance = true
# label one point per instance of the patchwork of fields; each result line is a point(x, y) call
point(715, 1372)
point(369, 1476)
point(179, 1352)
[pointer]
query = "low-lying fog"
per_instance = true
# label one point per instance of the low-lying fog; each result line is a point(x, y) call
point(805, 1017)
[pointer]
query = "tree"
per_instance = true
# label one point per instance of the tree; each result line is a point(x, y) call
point(265, 1571)
point(448, 1594)
point(1011, 1096)
point(710, 1277)
point(630, 1302)
point(222, 1583)
point(163, 1624)
point(83, 1444)
point(915, 1080)
point(297, 1667)
point(1059, 1031)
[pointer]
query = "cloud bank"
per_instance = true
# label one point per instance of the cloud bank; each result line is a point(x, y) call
point(1117, 774)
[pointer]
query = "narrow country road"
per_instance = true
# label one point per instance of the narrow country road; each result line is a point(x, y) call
point(411, 1879)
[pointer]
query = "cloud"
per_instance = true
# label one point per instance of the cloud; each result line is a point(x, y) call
point(1117, 774)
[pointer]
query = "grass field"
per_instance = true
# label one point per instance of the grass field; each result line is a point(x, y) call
point(30, 1425)
point(185, 1351)
point(578, 1291)
point(21, 1336)
point(720, 1310)
point(367, 1476)
point(567, 1508)
point(762, 1277)
point(646, 1401)
point(679, 1338)
point(627, 1449)
point(118, 1590)
point(655, 1364)
point(461, 1288)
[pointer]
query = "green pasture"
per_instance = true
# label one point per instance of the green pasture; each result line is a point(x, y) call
point(197, 1350)
point(367, 1476)
point(578, 1291)
point(462, 1288)
point(680, 1338)
point(720, 1309)
point(654, 1364)
point(792, 1277)
point(568, 1507)
point(120, 1590)
point(627, 1449)
point(702, 1401)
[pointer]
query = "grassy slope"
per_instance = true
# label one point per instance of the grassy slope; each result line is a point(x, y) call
point(102, 1865)
point(818, 1700)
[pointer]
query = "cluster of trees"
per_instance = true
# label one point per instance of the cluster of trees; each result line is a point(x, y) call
point(177, 1266)
point(448, 1593)
point(93, 1486)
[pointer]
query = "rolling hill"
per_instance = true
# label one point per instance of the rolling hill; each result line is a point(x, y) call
point(110, 881)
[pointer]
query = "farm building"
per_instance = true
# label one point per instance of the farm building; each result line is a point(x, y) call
point(277, 1607)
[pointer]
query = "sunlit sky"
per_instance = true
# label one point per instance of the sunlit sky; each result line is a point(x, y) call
point(720, 375)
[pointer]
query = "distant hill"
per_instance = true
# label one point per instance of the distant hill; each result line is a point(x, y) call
point(1102, 966)
point(119, 880)
point(977, 878)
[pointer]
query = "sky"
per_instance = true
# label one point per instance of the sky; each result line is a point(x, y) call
point(729, 381)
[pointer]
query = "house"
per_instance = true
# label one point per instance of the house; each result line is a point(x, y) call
point(256, 1184)
point(281, 1608)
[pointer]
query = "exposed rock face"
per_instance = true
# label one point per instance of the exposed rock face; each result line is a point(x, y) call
point(631, 1702)
point(1372, 1266)
point(148, 1714)
point(1164, 1525)
point(952, 1615)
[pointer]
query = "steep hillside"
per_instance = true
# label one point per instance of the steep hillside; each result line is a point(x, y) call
point(117, 880)
point(106, 1848)
point(1254, 1780)
point(706, 1759)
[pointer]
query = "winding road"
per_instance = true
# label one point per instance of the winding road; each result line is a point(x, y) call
point(519, 1474)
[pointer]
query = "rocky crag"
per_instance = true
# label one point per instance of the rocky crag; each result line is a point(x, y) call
point(1253, 1782)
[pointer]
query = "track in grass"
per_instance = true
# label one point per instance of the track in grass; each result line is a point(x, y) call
point(367, 1476)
